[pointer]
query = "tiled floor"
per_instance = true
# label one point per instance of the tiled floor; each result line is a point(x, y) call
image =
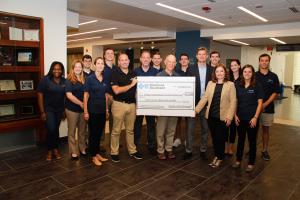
point(26, 175)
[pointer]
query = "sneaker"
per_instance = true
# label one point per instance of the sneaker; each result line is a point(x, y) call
point(203, 156)
point(74, 156)
point(171, 155)
point(187, 156)
point(177, 142)
point(249, 168)
point(265, 155)
point(115, 158)
point(137, 155)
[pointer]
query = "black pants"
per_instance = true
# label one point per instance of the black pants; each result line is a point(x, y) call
point(243, 129)
point(53, 120)
point(218, 131)
point(151, 136)
point(231, 133)
point(96, 125)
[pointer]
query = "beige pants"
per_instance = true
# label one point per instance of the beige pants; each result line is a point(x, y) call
point(165, 131)
point(122, 113)
point(75, 120)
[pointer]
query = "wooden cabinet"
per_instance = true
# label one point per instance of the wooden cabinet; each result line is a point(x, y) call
point(21, 68)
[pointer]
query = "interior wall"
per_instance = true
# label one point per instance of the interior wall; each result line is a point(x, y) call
point(226, 51)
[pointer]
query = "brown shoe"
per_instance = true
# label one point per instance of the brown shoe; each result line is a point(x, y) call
point(171, 155)
point(161, 156)
point(49, 156)
point(100, 158)
point(96, 161)
point(56, 154)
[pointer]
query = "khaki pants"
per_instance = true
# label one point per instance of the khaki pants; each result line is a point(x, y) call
point(122, 113)
point(165, 131)
point(75, 120)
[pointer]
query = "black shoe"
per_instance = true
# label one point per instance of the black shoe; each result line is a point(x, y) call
point(152, 151)
point(265, 155)
point(187, 156)
point(203, 156)
point(115, 158)
point(102, 150)
point(137, 155)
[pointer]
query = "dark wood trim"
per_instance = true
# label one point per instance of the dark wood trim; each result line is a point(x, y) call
point(19, 69)
point(19, 43)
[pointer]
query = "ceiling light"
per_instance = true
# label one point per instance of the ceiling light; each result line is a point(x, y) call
point(89, 22)
point(188, 13)
point(252, 13)
point(279, 41)
point(243, 43)
point(85, 39)
point(101, 30)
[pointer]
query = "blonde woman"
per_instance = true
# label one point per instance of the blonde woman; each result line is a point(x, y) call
point(220, 95)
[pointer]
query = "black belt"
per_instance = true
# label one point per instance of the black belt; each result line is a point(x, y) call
point(128, 102)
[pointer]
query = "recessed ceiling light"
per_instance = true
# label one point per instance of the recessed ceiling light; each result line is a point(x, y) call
point(188, 13)
point(101, 30)
point(252, 13)
point(276, 40)
point(243, 43)
point(85, 39)
point(89, 22)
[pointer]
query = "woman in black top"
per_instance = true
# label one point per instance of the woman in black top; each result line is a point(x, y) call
point(234, 73)
point(51, 100)
point(249, 106)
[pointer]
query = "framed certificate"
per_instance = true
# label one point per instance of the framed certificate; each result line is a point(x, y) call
point(31, 34)
point(7, 85)
point(26, 85)
point(15, 33)
point(25, 57)
point(7, 110)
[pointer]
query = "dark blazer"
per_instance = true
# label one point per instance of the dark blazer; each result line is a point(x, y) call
point(194, 71)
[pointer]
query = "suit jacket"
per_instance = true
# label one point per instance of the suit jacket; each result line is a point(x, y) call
point(194, 71)
point(227, 103)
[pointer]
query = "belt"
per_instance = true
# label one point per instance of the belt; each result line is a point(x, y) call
point(128, 102)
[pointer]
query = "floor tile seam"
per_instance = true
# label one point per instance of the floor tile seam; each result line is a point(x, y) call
point(191, 197)
point(7, 164)
point(76, 168)
point(133, 165)
point(117, 180)
point(2, 189)
point(110, 196)
point(148, 194)
point(168, 171)
point(60, 183)
point(192, 173)
point(294, 190)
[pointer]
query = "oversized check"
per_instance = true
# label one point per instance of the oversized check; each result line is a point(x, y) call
point(166, 96)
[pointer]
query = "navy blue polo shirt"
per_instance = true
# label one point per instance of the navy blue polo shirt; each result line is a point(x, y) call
point(247, 99)
point(96, 90)
point(88, 74)
point(107, 76)
point(151, 71)
point(270, 84)
point(77, 90)
point(54, 94)
point(119, 78)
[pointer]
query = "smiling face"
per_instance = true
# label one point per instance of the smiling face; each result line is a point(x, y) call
point(57, 71)
point(214, 59)
point(234, 66)
point(156, 60)
point(99, 65)
point(247, 73)
point(201, 56)
point(184, 61)
point(220, 73)
point(264, 62)
point(145, 59)
point(77, 68)
point(109, 55)
point(170, 63)
point(123, 61)
point(87, 63)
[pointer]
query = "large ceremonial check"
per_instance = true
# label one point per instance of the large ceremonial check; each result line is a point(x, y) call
point(166, 96)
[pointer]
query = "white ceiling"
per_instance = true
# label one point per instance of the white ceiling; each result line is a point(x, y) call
point(144, 16)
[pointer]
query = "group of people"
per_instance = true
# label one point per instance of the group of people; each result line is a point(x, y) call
point(228, 101)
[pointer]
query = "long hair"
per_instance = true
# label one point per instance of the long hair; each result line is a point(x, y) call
point(230, 71)
point(72, 76)
point(50, 73)
point(95, 61)
point(252, 81)
point(213, 76)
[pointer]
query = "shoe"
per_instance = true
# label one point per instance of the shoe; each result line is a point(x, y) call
point(217, 164)
point(102, 150)
point(96, 161)
point(161, 156)
point(83, 153)
point(177, 143)
point(137, 155)
point(213, 162)
point(49, 156)
point(152, 151)
point(249, 168)
point(236, 165)
point(56, 154)
point(187, 156)
point(115, 158)
point(171, 155)
point(102, 159)
point(74, 156)
point(203, 155)
point(265, 155)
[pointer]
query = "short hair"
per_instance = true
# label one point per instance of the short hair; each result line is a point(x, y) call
point(184, 54)
point(214, 52)
point(264, 55)
point(145, 51)
point(214, 77)
point(86, 56)
point(202, 49)
point(50, 73)
point(122, 53)
point(156, 53)
point(106, 49)
point(252, 81)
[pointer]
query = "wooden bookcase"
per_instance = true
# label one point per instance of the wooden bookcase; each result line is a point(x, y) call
point(21, 68)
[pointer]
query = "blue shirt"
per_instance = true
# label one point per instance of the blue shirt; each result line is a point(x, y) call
point(54, 94)
point(96, 90)
point(107, 76)
point(77, 90)
point(151, 71)
point(202, 74)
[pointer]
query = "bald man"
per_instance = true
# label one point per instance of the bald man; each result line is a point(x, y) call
point(166, 126)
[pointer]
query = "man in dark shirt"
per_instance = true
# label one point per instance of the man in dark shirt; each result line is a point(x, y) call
point(270, 84)
point(145, 70)
point(123, 83)
point(87, 64)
